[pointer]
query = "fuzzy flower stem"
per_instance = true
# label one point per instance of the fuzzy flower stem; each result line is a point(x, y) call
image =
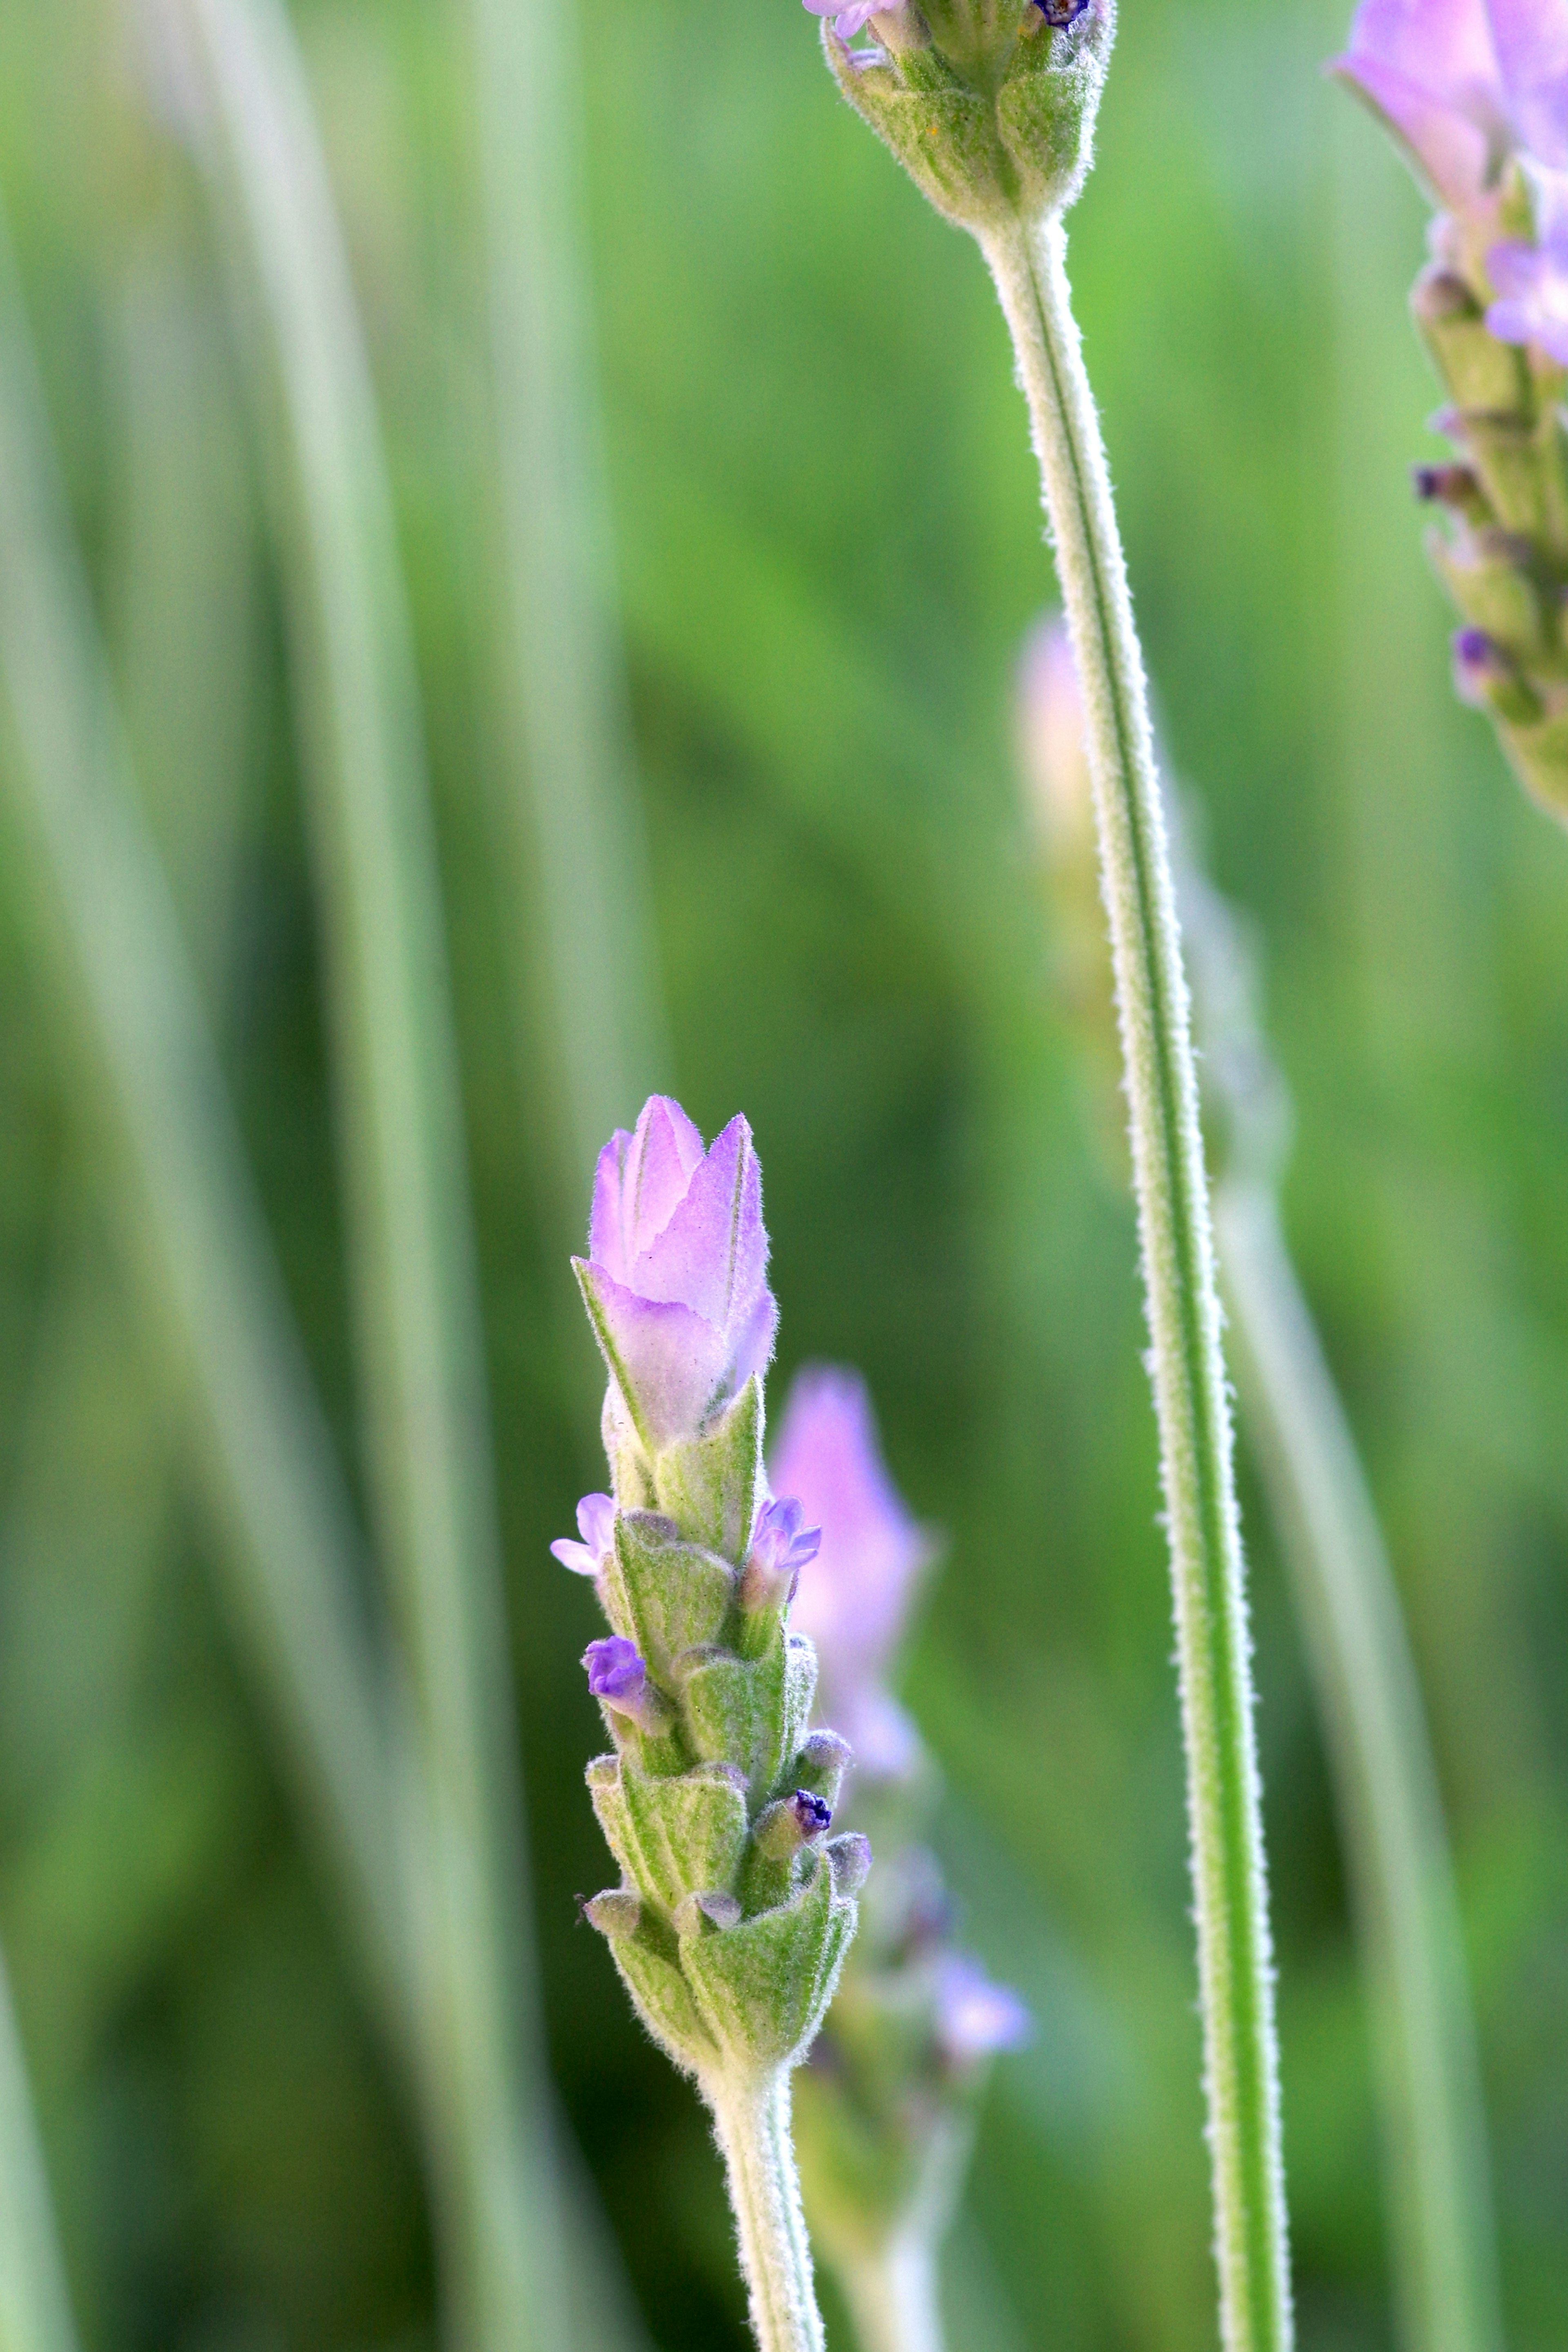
point(892, 2297)
point(1223, 1791)
point(752, 2124)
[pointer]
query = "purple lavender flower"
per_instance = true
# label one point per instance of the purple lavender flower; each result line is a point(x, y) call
point(596, 1526)
point(848, 21)
point(618, 1678)
point(1462, 84)
point(813, 1814)
point(854, 1598)
point(781, 1547)
point(1531, 280)
point(675, 1279)
point(974, 2017)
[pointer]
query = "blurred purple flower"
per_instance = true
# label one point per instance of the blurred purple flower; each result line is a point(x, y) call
point(846, 22)
point(854, 1598)
point(1464, 83)
point(974, 2017)
point(1531, 280)
point(676, 1275)
point(596, 1526)
point(781, 1547)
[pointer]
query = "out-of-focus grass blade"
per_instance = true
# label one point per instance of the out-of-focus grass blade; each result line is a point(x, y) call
point(411, 1247)
point(35, 2309)
point(571, 799)
point(145, 1078)
point(1396, 1846)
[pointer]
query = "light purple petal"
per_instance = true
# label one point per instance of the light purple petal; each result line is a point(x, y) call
point(712, 1253)
point(578, 1558)
point(1531, 38)
point(639, 1183)
point(975, 2017)
point(596, 1521)
point(1449, 153)
point(848, 21)
point(1444, 46)
point(752, 1340)
point(668, 1363)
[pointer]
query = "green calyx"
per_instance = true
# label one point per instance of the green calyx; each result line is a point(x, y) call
point(728, 1935)
point(1501, 550)
point(989, 108)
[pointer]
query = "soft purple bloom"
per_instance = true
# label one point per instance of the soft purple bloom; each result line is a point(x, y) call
point(847, 21)
point(781, 1547)
point(974, 2017)
point(1531, 280)
point(596, 1526)
point(676, 1273)
point(1464, 83)
point(616, 1672)
point(855, 1597)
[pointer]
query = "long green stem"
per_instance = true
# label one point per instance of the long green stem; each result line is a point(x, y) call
point(752, 2124)
point(1402, 1880)
point(411, 1248)
point(34, 2308)
point(892, 2296)
point(1223, 1790)
point(570, 801)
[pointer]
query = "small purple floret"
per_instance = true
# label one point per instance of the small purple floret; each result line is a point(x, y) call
point(813, 1814)
point(848, 21)
point(1531, 280)
point(974, 2017)
point(596, 1526)
point(781, 1545)
point(616, 1673)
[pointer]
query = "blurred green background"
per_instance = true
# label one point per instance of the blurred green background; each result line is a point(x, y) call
point(830, 548)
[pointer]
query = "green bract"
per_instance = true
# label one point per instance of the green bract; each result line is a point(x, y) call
point(988, 108)
point(729, 1932)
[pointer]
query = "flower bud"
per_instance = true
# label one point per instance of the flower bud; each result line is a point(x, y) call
point(618, 1679)
point(782, 1829)
point(615, 1913)
point(988, 104)
point(850, 1859)
point(1486, 677)
point(822, 1764)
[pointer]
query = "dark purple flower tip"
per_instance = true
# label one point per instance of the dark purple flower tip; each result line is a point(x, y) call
point(596, 1526)
point(1061, 13)
point(1445, 485)
point(813, 1815)
point(1477, 663)
point(975, 2018)
point(616, 1673)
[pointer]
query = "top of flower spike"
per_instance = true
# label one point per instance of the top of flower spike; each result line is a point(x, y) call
point(854, 1598)
point(676, 1275)
point(1463, 84)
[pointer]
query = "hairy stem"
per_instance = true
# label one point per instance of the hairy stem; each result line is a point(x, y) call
point(752, 2124)
point(1214, 1652)
point(1389, 1810)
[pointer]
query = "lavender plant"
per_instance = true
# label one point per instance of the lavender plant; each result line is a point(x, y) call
point(990, 106)
point(885, 2108)
point(1475, 93)
point(734, 1908)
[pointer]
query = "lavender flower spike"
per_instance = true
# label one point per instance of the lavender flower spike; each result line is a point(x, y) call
point(854, 1600)
point(675, 1279)
point(596, 1526)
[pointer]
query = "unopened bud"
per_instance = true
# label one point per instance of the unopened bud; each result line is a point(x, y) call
point(1486, 677)
point(782, 1829)
point(618, 1678)
point(850, 1859)
point(823, 1763)
point(697, 1915)
point(1478, 371)
point(616, 1913)
point(1458, 488)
